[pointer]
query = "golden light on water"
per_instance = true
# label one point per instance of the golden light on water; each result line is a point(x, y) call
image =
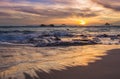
point(30, 60)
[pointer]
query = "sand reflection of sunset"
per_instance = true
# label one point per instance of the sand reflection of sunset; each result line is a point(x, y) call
point(32, 59)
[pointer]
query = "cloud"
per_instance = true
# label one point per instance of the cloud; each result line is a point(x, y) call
point(44, 11)
point(111, 4)
point(50, 11)
point(58, 13)
point(4, 14)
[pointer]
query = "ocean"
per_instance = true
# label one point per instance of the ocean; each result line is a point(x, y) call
point(28, 52)
point(48, 35)
point(97, 29)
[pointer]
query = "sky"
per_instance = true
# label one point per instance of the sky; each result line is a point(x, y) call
point(70, 12)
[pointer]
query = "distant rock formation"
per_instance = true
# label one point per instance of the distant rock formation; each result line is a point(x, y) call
point(42, 25)
point(107, 24)
point(52, 25)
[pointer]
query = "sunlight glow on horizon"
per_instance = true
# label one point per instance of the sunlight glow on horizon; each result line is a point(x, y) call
point(82, 22)
point(35, 12)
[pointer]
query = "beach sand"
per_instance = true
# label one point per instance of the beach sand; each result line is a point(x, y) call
point(78, 62)
point(107, 68)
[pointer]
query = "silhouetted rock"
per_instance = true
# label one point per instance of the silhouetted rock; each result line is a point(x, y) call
point(52, 25)
point(107, 24)
point(103, 35)
point(57, 38)
point(42, 25)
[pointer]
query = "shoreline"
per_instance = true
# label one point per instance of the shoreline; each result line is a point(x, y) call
point(59, 62)
point(107, 68)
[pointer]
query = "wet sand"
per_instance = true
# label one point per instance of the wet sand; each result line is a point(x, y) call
point(82, 62)
point(107, 68)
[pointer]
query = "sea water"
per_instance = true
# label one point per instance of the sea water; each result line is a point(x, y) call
point(21, 35)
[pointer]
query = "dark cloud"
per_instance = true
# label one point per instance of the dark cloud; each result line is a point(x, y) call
point(52, 12)
point(4, 14)
point(111, 4)
point(58, 13)
point(66, 2)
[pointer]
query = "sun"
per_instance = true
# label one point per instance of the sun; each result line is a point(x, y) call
point(82, 22)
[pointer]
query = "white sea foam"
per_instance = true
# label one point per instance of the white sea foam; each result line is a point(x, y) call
point(44, 36)
point(16, 60)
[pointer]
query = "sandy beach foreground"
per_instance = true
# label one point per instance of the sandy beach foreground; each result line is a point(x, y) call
point(107, 68)
point(75, 62)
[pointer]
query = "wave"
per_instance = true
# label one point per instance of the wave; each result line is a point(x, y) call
point(57, 38)
point(15, 61)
